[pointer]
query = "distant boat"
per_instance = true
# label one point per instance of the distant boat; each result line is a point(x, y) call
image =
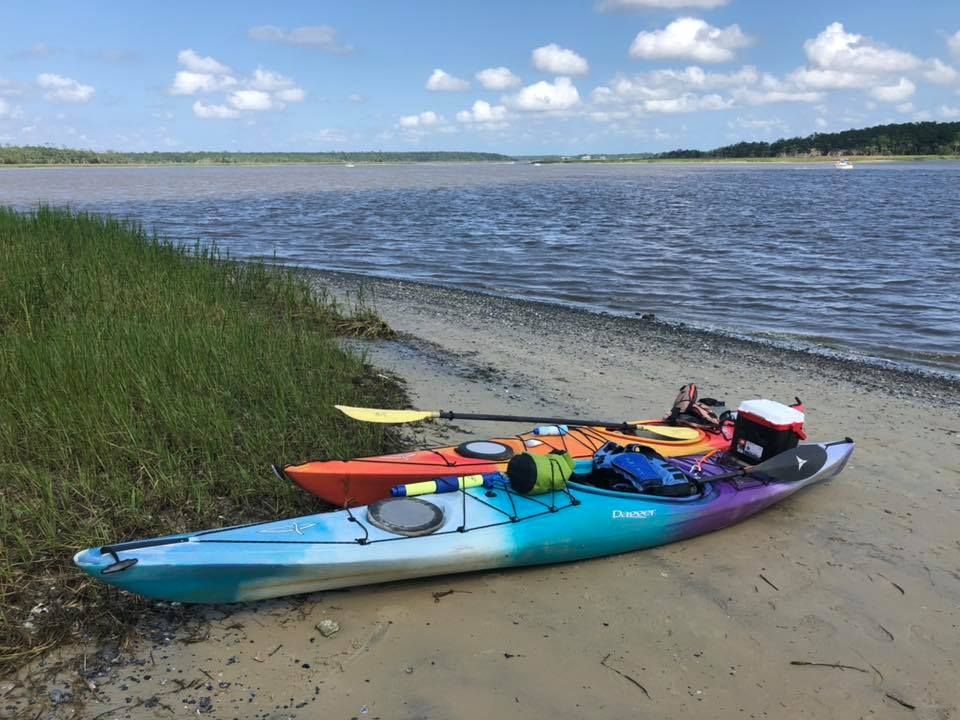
point(843, 164)
point(349, 165)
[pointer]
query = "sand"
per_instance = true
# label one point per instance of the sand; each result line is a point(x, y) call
point(841, 602)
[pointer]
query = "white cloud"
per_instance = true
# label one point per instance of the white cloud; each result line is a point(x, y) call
point(953, 42)
point(498, 78)
point(202, 75)
point(544, 96)
point(269, 81)
point(614, 5)
point(835, 49)
point(692, 38)
point(821, 122)
point(939, 73)
point(357, 98)
point(441, 81)
point(688, 102)
point(320, 37)
point(202, 110)
point(894, 93)
point(64, 89)
point(950, 113)
point(483, 112)
point(4, 108)
point(290, 95)
point(559, 61)
point(820, 79)
point(191, 83)
point(905, 108)
point(424, 119)
point(196, 63)
point(250, 100)
point(748, 96)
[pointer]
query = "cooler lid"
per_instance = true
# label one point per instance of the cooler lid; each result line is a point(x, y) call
point(772, 411)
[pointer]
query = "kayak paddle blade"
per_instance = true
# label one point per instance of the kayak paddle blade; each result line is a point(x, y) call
point(667, 431)
point(800, 463)
point(381, 415)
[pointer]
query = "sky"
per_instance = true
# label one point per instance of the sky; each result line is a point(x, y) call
point(513, 76)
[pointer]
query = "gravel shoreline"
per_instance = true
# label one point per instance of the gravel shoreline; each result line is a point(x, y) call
point(598, 329)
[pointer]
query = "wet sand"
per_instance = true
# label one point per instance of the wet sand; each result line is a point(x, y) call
point(841, 602)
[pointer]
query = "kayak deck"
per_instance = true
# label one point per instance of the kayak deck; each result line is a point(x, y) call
point(364, 480)
point(483, 528)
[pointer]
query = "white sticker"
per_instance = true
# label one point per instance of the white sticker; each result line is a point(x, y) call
point(633, 514)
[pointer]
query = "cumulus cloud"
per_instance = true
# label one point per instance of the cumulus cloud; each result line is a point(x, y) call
point(483, 112)
point(196, 63)
point(202, 75)
point(202, 110)
point(263, 90)
point(544, 96)
point(691, 38)
point(319, 37)
point(615, 5)
point(442, 81)
point(498, 78)
point(559, 61)
point(4, 108)
point(953, 42)
point(837, 50)
point(250, 100)
point(64, 89)
point(191, 83)
point(269, 81)
point(939, 73)
point(422, 120)
point(894, 93)
point(950, 113)
point(686, 103)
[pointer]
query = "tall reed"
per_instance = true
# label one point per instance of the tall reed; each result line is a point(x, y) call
point(145, 388)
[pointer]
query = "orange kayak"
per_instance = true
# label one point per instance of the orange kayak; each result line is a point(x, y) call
point(364, 480)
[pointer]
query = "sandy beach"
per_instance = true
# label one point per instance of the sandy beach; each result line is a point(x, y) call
point(842, 602)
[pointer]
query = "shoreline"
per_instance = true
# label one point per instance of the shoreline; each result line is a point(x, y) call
point(859, 571)
point(870, 370)
point(633, 161)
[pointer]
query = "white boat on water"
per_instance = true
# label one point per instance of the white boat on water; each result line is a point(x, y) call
point(843, 164)
point(349, 165)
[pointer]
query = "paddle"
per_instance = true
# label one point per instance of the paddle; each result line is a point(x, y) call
point(379, 415)
point(800, 463)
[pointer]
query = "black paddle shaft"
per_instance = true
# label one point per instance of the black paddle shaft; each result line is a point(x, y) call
point(621, 425)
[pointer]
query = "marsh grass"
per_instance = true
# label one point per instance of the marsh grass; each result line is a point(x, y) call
point(144, 389)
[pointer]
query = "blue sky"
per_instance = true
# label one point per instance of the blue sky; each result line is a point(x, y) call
point(531, 76)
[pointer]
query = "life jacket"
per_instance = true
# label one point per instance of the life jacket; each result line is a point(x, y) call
point(694, 411)
point(636, 468)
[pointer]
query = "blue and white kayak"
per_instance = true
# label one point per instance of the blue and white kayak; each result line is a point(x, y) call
point(477, 528)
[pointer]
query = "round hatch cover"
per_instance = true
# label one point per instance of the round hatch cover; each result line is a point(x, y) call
point(485, 450)
point(405, 516)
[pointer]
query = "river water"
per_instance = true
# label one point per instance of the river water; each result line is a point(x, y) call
point(863, 263)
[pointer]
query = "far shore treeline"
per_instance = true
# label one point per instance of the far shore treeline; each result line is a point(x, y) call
point(47, 155)
point(938, 139)
point(920, 138)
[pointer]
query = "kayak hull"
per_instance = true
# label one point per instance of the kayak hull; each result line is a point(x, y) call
point(479, 532)
point(362, 481)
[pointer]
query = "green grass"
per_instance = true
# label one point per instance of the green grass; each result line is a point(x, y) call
point(144, 389)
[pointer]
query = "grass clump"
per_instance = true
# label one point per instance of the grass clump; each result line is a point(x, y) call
point(144, 389)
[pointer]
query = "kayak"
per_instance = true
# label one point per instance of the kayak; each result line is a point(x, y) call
point(477, 528)
point(362, 481)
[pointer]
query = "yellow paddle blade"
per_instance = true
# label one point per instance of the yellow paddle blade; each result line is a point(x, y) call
point(668, 431)
point(380, 415)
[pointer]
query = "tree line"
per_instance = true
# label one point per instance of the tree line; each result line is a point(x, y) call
point(47, 155)
point(917, 138)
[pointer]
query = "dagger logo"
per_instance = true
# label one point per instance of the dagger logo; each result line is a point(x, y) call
point(800, 462)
